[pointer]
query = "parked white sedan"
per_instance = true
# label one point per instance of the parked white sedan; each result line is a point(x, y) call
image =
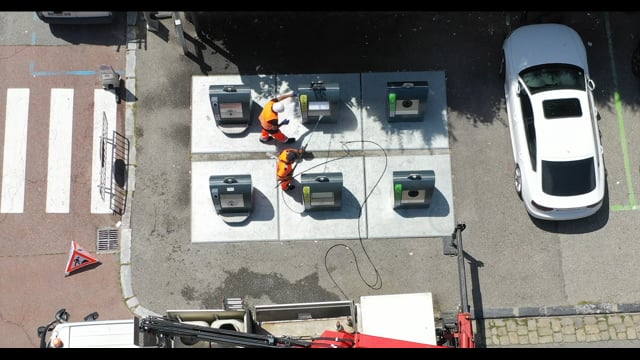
point(559, 171)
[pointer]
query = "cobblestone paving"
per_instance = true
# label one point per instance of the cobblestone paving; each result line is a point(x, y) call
point(561, 330)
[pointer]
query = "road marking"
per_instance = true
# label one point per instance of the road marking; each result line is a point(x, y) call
point(60, 149)
point(104, 104)
point(623, 138)
point(15, 151)
point(34, 73)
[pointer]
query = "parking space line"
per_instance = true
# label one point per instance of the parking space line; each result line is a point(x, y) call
point(60, 140)
point(623, 138)
point(15, 151)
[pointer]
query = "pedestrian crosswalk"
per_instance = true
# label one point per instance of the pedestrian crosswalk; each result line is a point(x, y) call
point(59, 184)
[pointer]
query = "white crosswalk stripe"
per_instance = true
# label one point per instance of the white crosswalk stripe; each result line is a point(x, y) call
point(105, 108)
point(15, 151)
point(59, 160)
point(60, 138)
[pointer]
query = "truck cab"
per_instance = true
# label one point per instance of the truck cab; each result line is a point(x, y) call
point(93, 334)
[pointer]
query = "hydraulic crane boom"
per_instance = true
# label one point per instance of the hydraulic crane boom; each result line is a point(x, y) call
point(159, 331)
point(462, 336)
point(164, 329)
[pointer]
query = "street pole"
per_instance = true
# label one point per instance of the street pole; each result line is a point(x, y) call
point(177, 21)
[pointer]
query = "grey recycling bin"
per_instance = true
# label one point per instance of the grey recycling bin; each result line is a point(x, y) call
point(407, 101)
point(321, 190)
point(231, 106)
point(232, 196)
point(413, 189)
point(319, 101)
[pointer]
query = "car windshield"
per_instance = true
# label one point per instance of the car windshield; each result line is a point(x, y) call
point(568, 178)
point(553, 77)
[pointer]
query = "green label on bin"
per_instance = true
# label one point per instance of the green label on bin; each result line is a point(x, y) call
point(397, 191)
point(306, 194)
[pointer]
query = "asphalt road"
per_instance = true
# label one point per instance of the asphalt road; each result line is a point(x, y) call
point(513, 260)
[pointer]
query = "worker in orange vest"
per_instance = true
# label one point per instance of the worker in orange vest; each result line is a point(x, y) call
point(286, 161)
point(270, 122)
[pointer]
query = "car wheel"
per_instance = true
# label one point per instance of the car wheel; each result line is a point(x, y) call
point(517, 181)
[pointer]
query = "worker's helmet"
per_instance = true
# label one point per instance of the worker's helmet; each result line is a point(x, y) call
point(278, 107)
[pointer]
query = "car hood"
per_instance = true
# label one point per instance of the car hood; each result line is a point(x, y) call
point(530, 46)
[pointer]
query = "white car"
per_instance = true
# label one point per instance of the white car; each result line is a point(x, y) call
point(559, 171)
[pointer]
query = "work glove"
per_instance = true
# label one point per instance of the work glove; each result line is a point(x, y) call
point(284, 122)
point(295, 93)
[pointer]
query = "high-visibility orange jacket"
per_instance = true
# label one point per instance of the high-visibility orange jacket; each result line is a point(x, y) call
point(269, 118)
point(286, 159)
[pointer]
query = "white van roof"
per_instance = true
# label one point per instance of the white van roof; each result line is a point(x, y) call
point(96, 334)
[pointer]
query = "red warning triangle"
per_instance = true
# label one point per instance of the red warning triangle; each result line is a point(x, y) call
point(78, 258)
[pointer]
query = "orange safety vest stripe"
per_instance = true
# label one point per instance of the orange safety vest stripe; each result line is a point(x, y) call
point(267, 115)
point(284, 166)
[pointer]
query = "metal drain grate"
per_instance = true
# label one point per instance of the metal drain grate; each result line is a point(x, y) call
point(108, 240)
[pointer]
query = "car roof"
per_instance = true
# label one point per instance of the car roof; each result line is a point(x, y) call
point(563, 138)
point(530, 45)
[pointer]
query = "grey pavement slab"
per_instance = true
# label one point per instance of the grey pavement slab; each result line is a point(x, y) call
point(430, 133)
point(347, 222)
point(386, 222)
point(345, 123)
point(205, 135)
point(207, 226)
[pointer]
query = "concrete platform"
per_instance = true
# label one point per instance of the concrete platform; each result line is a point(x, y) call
point(366, 209)
point(431, 133)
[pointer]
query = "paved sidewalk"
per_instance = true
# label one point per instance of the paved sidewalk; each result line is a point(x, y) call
point(569, 331)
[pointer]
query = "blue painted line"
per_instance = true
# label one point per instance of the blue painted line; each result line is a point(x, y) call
point(32, 67)
point(33, 34)
point(57, 73)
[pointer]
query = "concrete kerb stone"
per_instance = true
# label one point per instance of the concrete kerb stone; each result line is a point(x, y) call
point(125, 229)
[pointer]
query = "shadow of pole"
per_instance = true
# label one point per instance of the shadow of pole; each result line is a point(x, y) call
point(476, 299)
point(198, 57)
